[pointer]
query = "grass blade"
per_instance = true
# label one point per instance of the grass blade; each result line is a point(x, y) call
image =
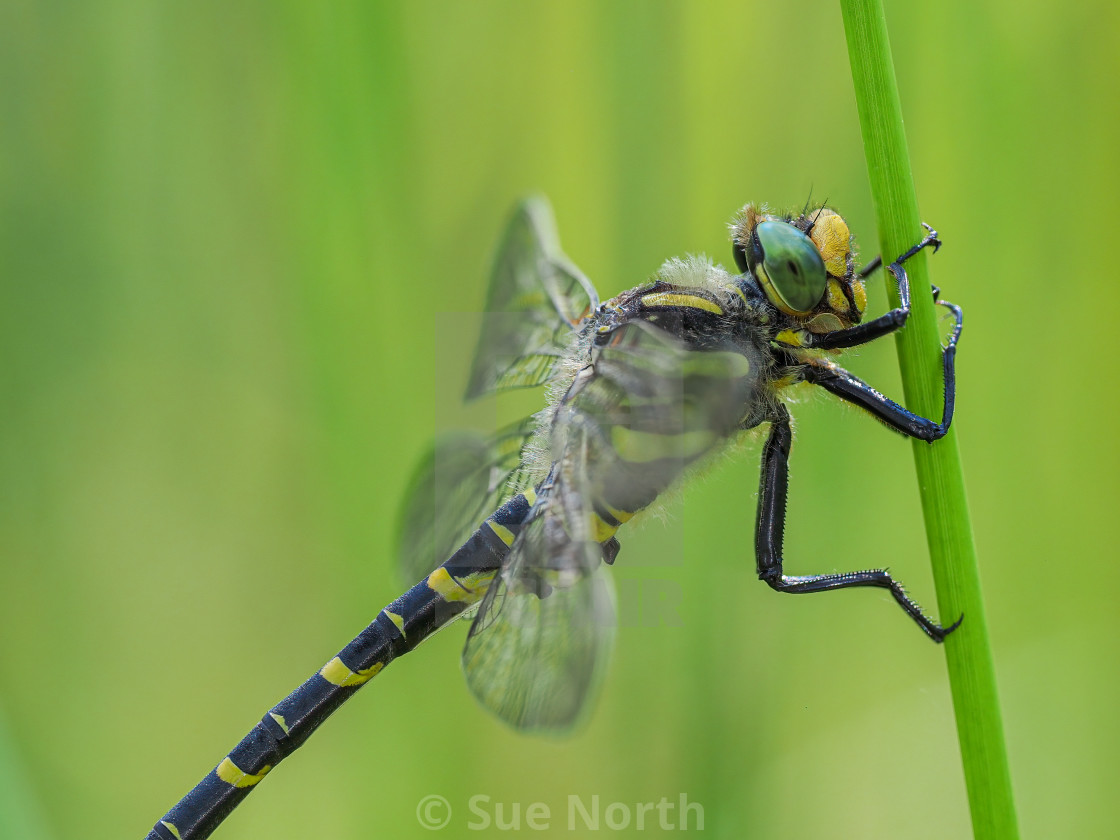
point(941, 482)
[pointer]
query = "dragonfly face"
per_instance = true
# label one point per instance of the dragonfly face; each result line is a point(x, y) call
point(803, 264)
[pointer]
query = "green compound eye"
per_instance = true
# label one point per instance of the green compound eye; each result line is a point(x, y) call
point(791, 270)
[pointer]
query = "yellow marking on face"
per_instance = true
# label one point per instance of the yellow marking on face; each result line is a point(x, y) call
point(601, 530)
point(859, 295)
point(836, 300)
point(280, 720)
point(171, 828)
point(336, 673)
point(504, 534)
point(530, 495)
point(640, 447)
point(674, 299)
point(467, 590)
point(833, 239)
point(233, 775)
point(396, 619)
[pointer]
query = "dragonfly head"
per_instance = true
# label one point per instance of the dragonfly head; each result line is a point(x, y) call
point(803, 264)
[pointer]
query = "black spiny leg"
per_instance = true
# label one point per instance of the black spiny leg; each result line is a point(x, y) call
point(847, 386)
point(770, 528)
point(884, 324)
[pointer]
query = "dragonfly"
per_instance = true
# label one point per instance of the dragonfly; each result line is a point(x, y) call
point(514, 530)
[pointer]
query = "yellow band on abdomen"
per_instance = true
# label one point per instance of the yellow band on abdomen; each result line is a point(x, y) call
point(231, 774)
point(336, 673)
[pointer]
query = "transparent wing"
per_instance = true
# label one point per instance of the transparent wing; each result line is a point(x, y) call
point(536, 298)
point(542, 636)
point(634, 418)
point(462, 480)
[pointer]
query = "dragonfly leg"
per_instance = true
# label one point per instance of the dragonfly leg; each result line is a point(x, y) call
point(891, 321)
point(770, 528)
point(847, 386)
point(869, 269)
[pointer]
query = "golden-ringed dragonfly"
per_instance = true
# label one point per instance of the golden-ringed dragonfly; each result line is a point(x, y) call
point(640, 389)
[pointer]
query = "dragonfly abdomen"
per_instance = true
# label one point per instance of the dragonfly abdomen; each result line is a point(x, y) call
point(429, 605)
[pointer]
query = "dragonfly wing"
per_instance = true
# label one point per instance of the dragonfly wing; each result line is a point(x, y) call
point(463, 479)
point(536, 298)
point(542, 636)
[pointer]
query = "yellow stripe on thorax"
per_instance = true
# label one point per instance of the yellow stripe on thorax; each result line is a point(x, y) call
point(734, 287)
point(674, 299)
point(231, 774)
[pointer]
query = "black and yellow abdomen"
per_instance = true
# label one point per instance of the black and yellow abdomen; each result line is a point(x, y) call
point(425, 608)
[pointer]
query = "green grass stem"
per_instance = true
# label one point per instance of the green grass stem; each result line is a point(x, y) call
point(940, 480)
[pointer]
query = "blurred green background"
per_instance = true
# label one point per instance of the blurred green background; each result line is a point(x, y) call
point(229, 234)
